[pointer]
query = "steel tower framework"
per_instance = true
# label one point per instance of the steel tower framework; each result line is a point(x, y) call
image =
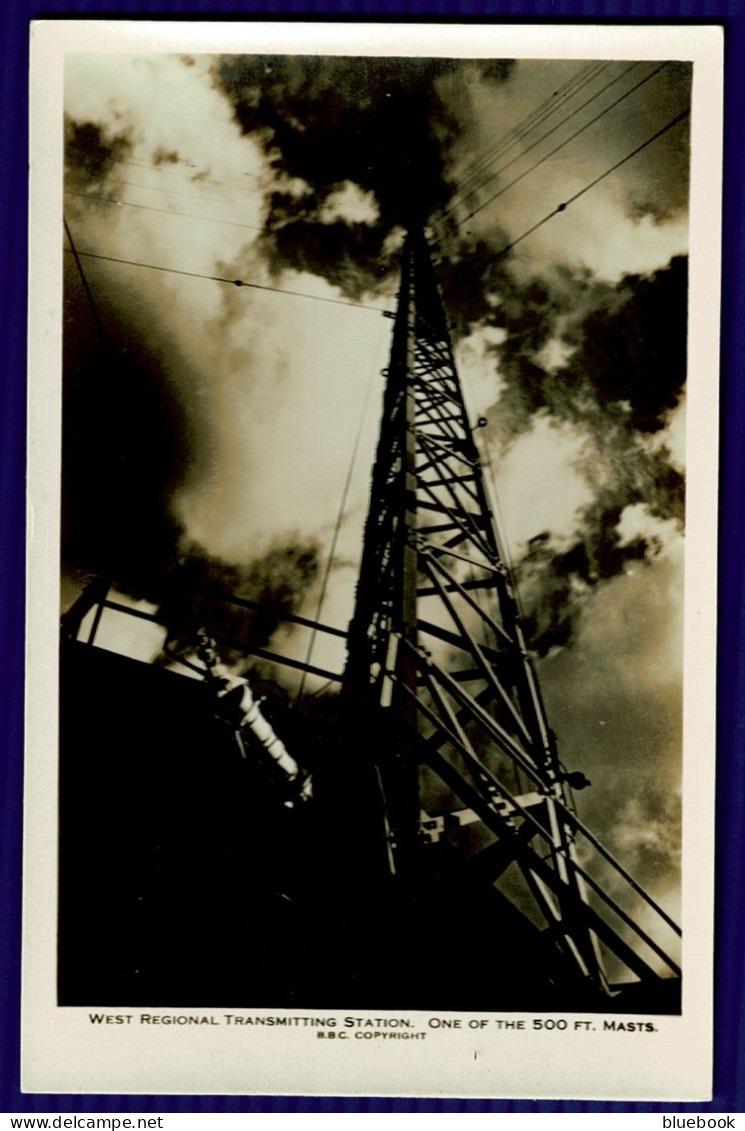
point(442, 691)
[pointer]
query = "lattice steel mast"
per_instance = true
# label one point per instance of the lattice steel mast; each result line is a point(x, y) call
point(442, 690)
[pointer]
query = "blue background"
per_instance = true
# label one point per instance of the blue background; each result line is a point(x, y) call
point(729, 1057)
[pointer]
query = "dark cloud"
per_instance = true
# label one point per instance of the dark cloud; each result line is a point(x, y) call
point(556, 582)
point(382, 124)
point(277, 580)
point(470, 275)
point(125, 440)
point(657, 207)
point(136, 422)
point(125, 434)
point(92, 152)
point(634, 351)
point(352, 253)
point(624, 369)
point(163, 156)
point(128, 439)
point(627, 346)
point(133, 425)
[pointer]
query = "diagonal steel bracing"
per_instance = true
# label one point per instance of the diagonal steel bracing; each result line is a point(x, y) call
point(439, 676)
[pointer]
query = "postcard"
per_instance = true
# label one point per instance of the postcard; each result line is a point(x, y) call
point(373, 400)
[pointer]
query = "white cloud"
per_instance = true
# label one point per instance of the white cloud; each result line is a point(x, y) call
point(554, 355)
point(286, 391)
point(350, 203)
point(477, 366)
point(672, 437)
point(538, 484)
point(637, 521)
point(168, 106)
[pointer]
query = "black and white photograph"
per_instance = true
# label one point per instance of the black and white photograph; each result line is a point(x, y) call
point(379, 410)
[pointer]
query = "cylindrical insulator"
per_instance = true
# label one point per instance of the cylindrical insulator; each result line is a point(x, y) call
point(239, 708)
point(251, 717)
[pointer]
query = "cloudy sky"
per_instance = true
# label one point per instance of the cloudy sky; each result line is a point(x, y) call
point(210, 428)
